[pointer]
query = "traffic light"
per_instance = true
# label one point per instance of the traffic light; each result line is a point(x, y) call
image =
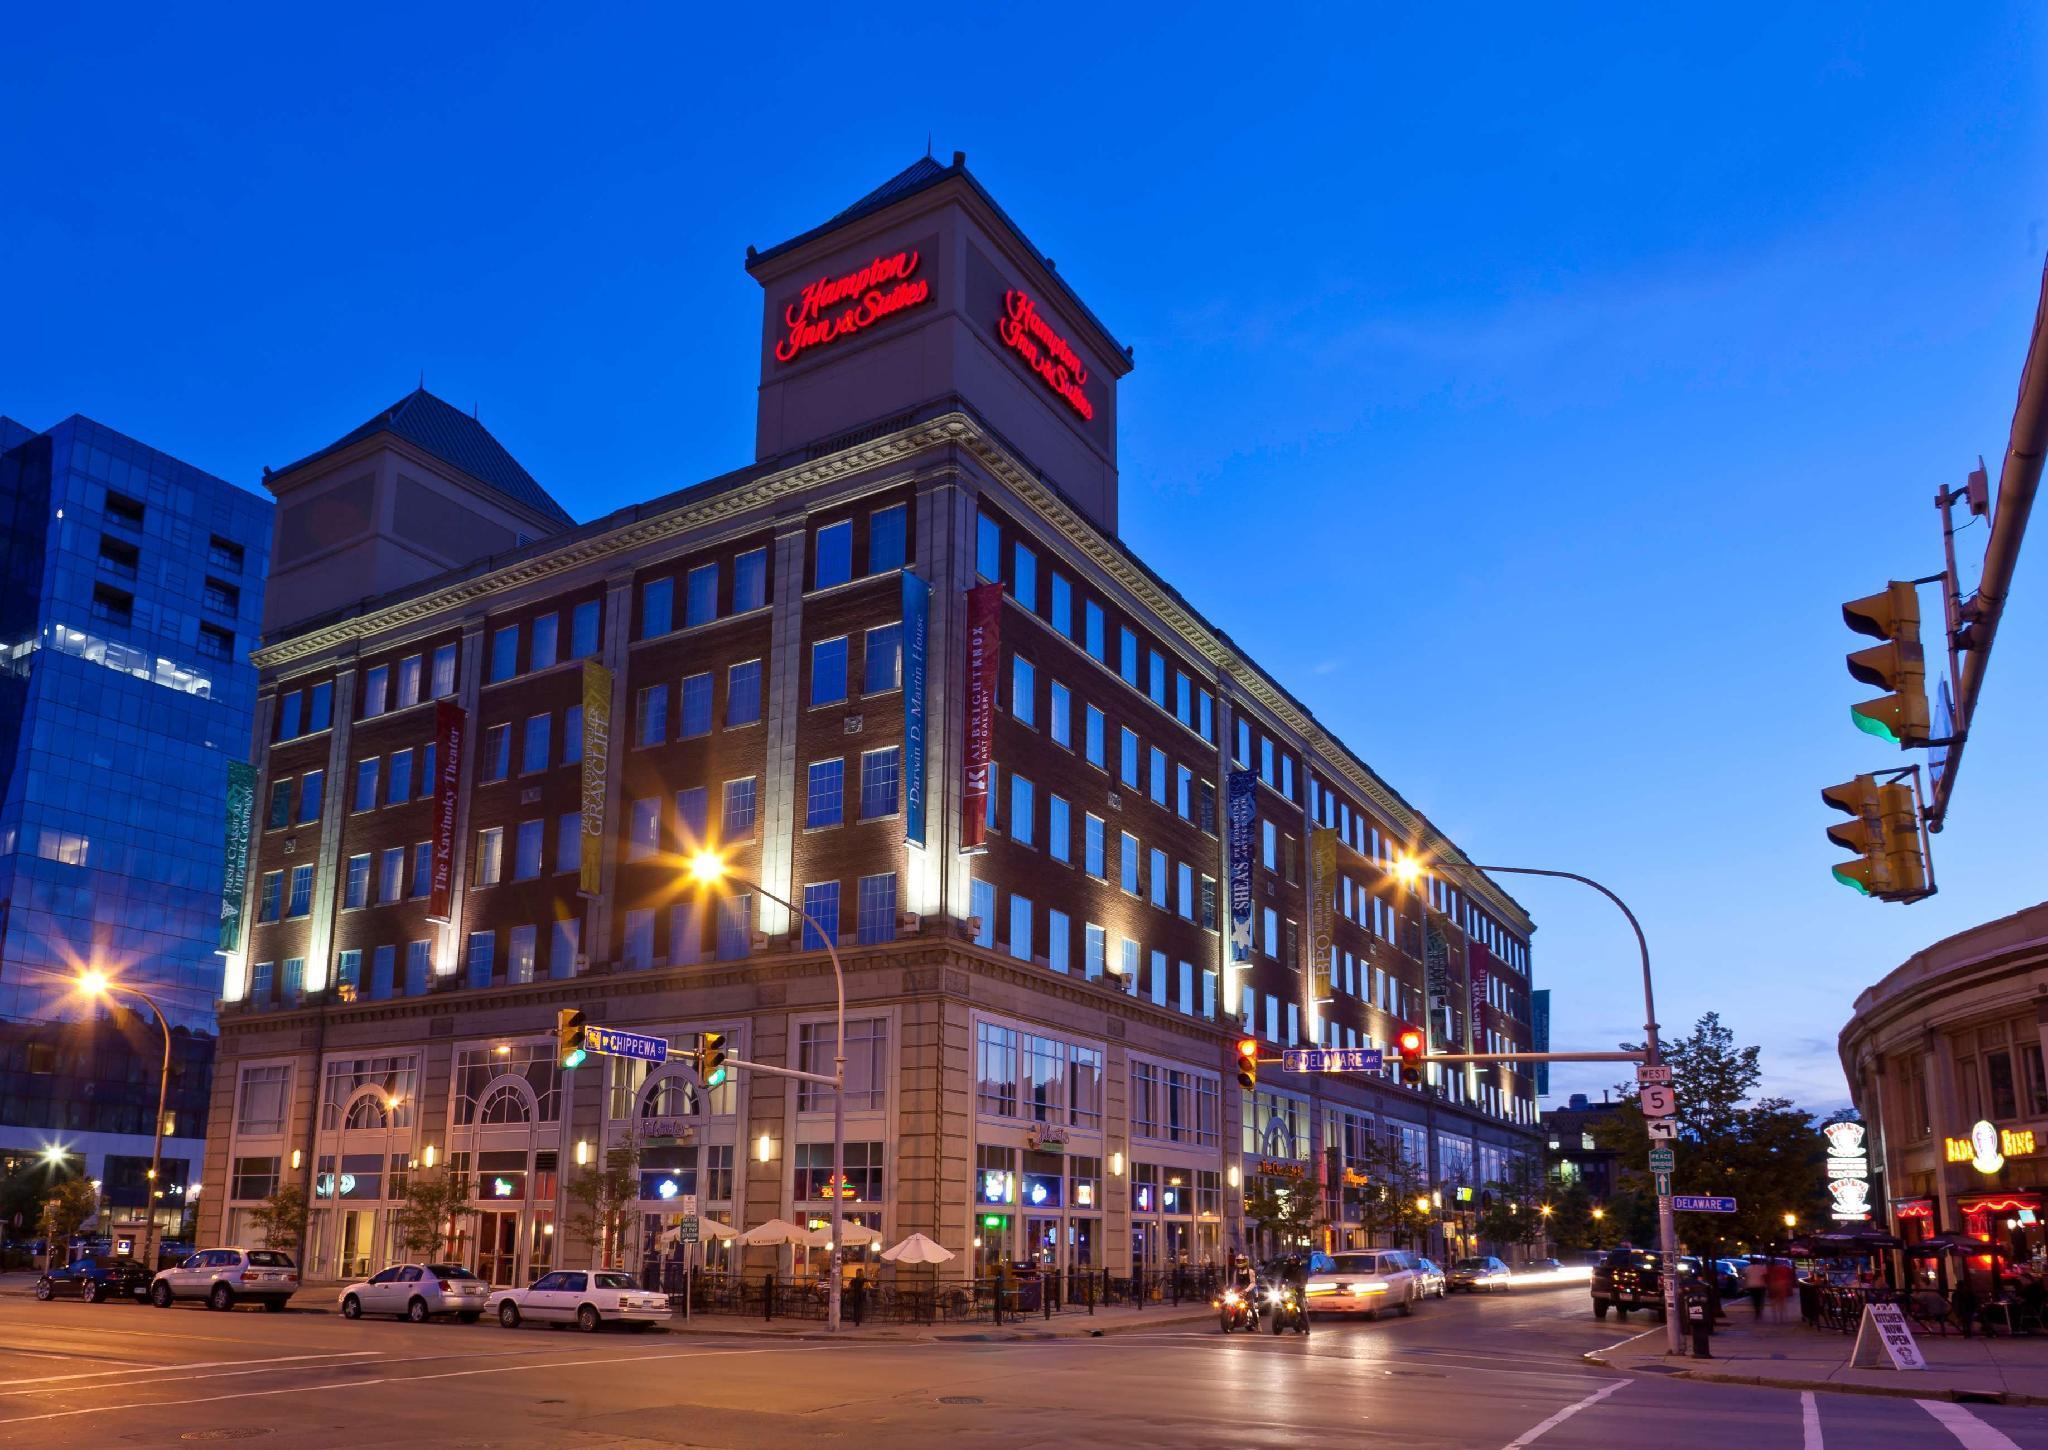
point(711, 1058)
point(1410, 1046)
point(569, 1037)
point(1247, 1063)
point(1899, 665)
point(1884, 832)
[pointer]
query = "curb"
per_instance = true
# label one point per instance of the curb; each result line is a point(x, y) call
point(1930, 1392)
point(709, 1325)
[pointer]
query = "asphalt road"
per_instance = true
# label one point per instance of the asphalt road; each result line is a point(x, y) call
point(1501, 1372)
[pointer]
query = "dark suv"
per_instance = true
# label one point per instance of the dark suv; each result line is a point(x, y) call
point(1633, 1279)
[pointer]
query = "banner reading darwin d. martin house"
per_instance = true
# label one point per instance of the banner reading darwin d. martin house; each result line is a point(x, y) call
point(984, 649)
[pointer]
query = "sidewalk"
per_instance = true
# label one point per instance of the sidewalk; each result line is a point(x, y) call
point(1793, 1356)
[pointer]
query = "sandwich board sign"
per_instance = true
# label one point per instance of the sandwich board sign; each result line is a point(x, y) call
point(1885, 1325)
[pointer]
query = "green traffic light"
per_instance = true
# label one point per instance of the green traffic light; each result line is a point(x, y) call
point(1842, 875)
point(716, 1079)
point(574, 1059)
point(1871, 725)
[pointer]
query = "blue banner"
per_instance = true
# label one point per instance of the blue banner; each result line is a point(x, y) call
point(917, 599)
point(1539, 1035)
point(1238, 808)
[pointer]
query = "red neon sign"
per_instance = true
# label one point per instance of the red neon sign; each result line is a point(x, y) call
point(1050, 355)
point(1913, 1210)
point(811, 319)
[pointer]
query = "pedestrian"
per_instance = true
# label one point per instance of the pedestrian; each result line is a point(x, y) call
point(1754, 1275)
point(857, 1296)
point(1779, 1285)
point(1964, 1303)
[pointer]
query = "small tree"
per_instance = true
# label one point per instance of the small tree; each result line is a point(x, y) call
point(603, 1198)
point(435, 1204)
point(280, 1220)
point(1387, 1208)
point(65, 1211)
point(1571, 1216)
point(1286, 1206)
point(1509, 1215)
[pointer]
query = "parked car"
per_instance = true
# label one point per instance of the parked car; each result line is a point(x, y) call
point(589, 1299)
point(1431, 1277)
point(418, 1292)
point(224, 1278)
point(1483, 1272)
point(96, 1280)
point(1363, 1281)
point(1633, 1279)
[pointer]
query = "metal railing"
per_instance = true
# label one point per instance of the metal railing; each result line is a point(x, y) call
point(934, 1299)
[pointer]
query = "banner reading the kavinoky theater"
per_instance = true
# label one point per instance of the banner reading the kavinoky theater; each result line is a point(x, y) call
point(1238, 812)
point(984, 649)
point(451, 730)
point(597, 751)
point(917, 611)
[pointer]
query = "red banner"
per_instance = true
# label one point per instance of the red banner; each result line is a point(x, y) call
point(984, 645)
point(1475, 974)
point(451, 729)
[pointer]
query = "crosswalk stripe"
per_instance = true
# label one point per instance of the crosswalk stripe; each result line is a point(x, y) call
point(1970, 1431)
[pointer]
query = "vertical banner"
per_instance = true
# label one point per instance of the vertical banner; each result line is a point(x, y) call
point(451, 727)
point(984, 650)
point(597, 752)
point(917, 602)
point(1475, 994)
point(1436, 977)
point(1238, 810)
point(1322, 906)
point(234, 881)
point(1539, 1035)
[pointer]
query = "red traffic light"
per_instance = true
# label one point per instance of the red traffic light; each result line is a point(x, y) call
point(1247, 1047)
point(1248, 1063)
point(1410, 1042)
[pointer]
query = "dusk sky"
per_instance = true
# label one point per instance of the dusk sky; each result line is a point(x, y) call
point(1526, 393)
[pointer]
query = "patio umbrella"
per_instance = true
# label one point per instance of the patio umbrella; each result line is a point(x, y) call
point(707, 1228)
point(918, 1249)
point(1946, 1243)
point(778, 1231)
point(852, 1235)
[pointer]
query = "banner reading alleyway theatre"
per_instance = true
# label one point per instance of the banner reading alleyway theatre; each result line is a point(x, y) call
point(597, 750)
point(235, 879)
point(984, 647)
point(917, 611)
point(1322, 909)
point(1238, 811)
point(451, 730)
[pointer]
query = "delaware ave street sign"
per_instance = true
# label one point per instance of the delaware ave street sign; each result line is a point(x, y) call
point(614, 1043)
point(1332, 1059)
point(1686, 1203)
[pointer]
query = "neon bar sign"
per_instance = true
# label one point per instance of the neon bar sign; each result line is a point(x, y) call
point(1050, 355)
point(881, 288)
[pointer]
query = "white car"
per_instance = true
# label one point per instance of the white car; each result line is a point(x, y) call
point(418, 1292)
point(1363, 1281)
point(589, 1299)
point(227, 1277)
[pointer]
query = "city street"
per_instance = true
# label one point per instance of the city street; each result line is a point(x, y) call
point(1499, 1371)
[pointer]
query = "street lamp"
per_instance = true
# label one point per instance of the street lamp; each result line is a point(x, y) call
point(96, 984)
point(708, 869)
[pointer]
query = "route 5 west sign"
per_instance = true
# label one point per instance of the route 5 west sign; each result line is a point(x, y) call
point(1658, 1100)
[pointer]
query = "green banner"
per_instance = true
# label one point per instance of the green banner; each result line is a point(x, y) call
point(234, 883)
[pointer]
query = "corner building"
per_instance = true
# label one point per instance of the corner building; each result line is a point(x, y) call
point(1028, 888)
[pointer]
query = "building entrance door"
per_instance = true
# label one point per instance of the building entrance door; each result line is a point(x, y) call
point(497, 1246)
point(1042, 1241)
point(358, 1243)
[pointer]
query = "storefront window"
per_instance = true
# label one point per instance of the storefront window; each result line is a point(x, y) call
point(995, 1175)
point(1084, 1182)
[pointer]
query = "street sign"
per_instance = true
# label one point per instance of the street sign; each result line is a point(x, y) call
point(690, 1205)
point(1689, 1203)
point(1658, 1101)
point(1660, 1074)
point(1664, 1128)
point(614, 1043)
point(688, 1232)
point(1663, 1185)
point(1663, 1160)
point(1332, 1059)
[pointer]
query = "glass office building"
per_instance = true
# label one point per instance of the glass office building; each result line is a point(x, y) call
point(131, 592)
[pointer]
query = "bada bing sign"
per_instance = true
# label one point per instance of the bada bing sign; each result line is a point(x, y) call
point(1988, 1146)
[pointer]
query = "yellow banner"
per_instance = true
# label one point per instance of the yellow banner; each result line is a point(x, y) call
point(597, 749)
point(1322, 907)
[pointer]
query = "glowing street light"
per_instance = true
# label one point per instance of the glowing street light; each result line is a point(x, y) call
point(1422, 1203)
point(1599, 1214)
point(96, 984)
point(1407, 870)
point(1791, 1220)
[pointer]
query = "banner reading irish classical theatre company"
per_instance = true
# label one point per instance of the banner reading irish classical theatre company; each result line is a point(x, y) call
point(1322, 906)
point(984, 649)
point(917, 610)
point(451, 731)
point(235, 879)
point(1475, 1003)
point(597, 750)
point(1238, 811)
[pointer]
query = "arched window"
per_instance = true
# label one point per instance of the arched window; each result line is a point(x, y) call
point(505, 1104)
point(368, 1112)
point(671, 1097)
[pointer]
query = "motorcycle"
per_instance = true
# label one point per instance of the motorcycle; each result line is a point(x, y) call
point(1284, 1304)
point(1239, 1309)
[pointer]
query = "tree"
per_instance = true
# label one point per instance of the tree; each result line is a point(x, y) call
point(280, 1220)
point(435, 1204)
point(1286, 1206)
point(65, 1211)
point(603, 1199)
point(1508, 1213)
point(1570, 1220)
point(1385, 1207)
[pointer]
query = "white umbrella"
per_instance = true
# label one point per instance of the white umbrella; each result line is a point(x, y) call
point(778, 1231)
point(708, 1228)
point(852, 1234)
point(918, 1249)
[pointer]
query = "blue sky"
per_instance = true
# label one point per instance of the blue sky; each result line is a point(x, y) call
point(1526, 390)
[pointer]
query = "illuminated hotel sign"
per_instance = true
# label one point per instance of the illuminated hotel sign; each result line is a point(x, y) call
point(1848, 1171)
point(835, 307)
point(1988, 1146)
point(1050, 355)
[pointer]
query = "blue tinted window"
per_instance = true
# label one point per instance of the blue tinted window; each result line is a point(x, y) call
point(828, 671)
point(695, 718)
point(834, 555)
point(825, 797)
point(656, 599)
point(887, 532)
point(821, 914)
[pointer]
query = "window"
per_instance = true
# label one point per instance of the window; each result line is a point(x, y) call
point(834, 555)
point(1182, 693)
point(582, 630)
point(1093, 743)
point(882, 660)
point(320, 706)
point(408, 681)
point(483, 952)
point(988, 548)
point(1157, 760)
point(280, 814)
point(541, 647)
point(572, 735)
point(490, 855)
point(215, 643)
point(1059, 835)
point(888, 532)
point(533, 755)
point(569, 842)
point(1184, 880)
point(876, 897)
point(1062, 603)
point(693, 826)
point(391, 875)
point(300, 902)
point(526, 851)
point(504, 653)
point(657, 603)
point(1092, 613)
point(750, 581)
point(824, 803)
point(289, 706)
point(519, 945)
point(637, 950)
point(1023, 812)
point(1056, 925)
point(1128, 868)
point(1127, 654)
point(821, 914)
point(1243, 753)
point(1057, 722)
point(310, 792)
point(1095, 944)
point(650, 715)
point(422, 868)
point(644, 829)
point(419, 962)
point(265, 1097)
point(828, 671)
point(444, 671)
point(1159, 878)
point(224, 553)
point(1127, 755)
point(735, 927)
point(700, 595)
point(366, 784)
point(1091, 847)
point(1155, 666)
point(981, 908)
point(736, 819)
point(1023, 691)
point(497, 761)
point(356, 887)
point(111, 605)
point(1025, 583)
point(686, 932)
point(879, 773)
point(1020, 927)
point(694, 717)
point(743, 694)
